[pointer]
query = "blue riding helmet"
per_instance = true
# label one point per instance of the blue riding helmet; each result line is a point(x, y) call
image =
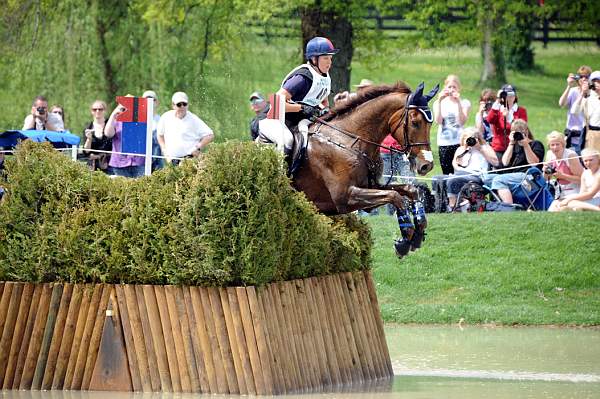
point(319, 46)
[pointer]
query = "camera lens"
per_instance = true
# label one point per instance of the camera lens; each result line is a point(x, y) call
point(518, 136)
point(41, 110)
point(471, 141)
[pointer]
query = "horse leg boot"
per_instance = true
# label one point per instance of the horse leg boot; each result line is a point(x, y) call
point(407, 229)
point(420, 222)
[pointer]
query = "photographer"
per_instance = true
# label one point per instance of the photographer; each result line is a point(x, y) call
point(589, 104)
point(486, 100)
point(575, 120)
point(522, 150)
point(471, 162)
point(504, 111)
point(451, 113)
point(563, 165)
point(39, 115)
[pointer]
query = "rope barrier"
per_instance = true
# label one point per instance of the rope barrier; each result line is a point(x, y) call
point(410, 178)
point(450, 177)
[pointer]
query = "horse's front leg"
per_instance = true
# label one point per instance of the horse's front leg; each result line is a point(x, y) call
point(367, 198)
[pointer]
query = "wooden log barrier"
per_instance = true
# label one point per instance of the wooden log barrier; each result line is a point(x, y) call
point(311, 335)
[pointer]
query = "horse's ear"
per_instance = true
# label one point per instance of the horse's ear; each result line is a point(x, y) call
point(433, 92)
point(419, 90)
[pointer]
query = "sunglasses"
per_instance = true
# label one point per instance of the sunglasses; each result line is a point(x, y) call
point(181, 105)
point(97, 109)
point(255, 101)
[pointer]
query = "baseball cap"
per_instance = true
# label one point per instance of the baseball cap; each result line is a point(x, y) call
point(364, 83)
point(510, 90)
point(150, 93)
point(256, 95)
point(595, 76)
point(179, 97)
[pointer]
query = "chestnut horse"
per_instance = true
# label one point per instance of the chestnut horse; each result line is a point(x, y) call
point(342, 168)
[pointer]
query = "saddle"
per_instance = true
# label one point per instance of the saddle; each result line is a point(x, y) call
point(298, 154)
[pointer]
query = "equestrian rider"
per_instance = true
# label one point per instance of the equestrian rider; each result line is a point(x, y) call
point(307, 86)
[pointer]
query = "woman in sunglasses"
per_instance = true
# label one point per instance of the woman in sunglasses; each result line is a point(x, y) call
point(95, 139)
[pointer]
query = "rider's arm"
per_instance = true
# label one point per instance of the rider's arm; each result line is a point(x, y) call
point(295, 87)
point(289, 107)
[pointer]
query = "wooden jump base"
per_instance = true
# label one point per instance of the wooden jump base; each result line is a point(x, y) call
point(295, 336)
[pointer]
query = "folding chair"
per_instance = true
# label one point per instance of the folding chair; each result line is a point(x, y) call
point(533, 192)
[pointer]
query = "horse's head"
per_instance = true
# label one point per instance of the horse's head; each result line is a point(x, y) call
point(411, 126)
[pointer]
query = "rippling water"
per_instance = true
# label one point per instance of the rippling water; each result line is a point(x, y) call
point(456, 362)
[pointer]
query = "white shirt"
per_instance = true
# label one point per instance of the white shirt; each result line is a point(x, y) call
point(472, 161)
point(181, 135)
point(450, 129)
point(590, 107)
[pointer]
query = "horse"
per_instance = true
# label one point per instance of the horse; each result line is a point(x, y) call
point(341, 169)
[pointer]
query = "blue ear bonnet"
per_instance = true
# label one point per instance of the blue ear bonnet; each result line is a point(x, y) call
point(418, 101)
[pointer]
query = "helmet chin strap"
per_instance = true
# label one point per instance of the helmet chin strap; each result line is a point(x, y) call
point(316, 65)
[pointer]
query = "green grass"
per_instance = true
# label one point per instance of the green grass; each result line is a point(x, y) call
point(509, 268)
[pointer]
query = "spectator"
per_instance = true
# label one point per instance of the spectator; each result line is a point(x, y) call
point(589, 196)
point(575, 120)
point(589, 104)
point(486, 100)
point(471, 163)
point(157, 162)
point(522, 152)
point(393, 165)
point(95, 138)
point(562, 164)
point(56, 119)
point(181, 133)
point(38, 117)
point(504, 111)
point(121, 164)
point(261, 107)
point(362, 85)
point(451, 113)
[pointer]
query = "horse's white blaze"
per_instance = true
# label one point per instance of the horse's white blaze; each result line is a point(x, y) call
point(428, 155)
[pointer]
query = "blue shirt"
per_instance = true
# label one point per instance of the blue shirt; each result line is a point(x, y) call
point(298, 86)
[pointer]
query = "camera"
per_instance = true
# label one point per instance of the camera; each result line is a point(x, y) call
point(592, 86)
point(577, 76)
point(518, 136)
point(41, 110)
point(550, 170)
point(471, 141)
point(488, 105)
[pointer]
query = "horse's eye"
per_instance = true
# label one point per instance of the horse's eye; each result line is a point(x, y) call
point(415, 124)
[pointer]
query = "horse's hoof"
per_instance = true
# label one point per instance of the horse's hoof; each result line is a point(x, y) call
point(402, 247)
point(417, 240)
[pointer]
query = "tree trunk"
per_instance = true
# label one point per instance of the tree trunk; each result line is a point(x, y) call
point(316, 22)
point(494, 69)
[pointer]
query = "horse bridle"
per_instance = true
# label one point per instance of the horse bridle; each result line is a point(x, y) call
point(407, 144)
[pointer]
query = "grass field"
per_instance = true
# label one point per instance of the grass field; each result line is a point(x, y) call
point(498, 268)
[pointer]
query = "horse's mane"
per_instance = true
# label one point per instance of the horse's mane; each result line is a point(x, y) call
point(366, 95)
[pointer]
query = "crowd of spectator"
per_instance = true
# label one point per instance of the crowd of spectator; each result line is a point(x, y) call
point(176, 134)
point(501, 150)
point(497, 152)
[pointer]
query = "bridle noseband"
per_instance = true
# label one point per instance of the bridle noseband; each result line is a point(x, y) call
point(395, 125)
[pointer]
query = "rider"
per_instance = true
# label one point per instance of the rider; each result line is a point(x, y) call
point(307, 86)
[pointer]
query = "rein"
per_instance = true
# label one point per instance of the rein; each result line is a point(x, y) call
point(357, 138)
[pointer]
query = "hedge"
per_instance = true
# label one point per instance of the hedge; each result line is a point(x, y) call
point(230, 219)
